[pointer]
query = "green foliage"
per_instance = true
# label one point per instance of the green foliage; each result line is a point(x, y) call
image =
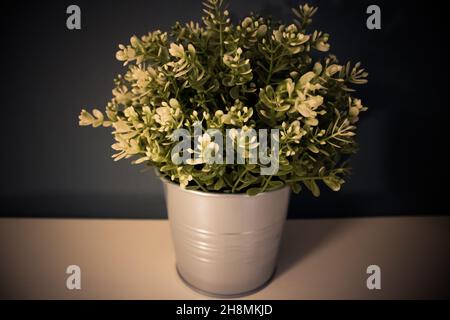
point(256, 74)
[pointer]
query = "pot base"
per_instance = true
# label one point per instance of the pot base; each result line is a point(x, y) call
point(225, 296)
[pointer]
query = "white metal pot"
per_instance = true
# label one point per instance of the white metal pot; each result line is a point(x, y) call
point(225, 244)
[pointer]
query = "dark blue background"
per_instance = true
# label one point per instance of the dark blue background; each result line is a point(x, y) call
point(51, 167)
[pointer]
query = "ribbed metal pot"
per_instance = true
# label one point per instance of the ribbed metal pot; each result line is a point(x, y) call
point(225, 244)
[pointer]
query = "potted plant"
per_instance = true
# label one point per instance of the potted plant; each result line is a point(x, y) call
point(233, 117)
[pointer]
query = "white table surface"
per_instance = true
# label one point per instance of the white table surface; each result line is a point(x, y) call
point(134, 259)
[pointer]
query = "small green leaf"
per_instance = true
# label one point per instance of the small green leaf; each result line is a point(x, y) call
point(234, 92)
point(296, 187)
point(313, 187)
point(313, 148)
point(254, 191)
point(332, 183)
point(168, 167)
point(219, 184)
point(275, 185)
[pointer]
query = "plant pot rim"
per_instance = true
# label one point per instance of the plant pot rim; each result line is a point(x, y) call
point(215, 194)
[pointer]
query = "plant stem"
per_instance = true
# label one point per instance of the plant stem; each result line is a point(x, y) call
point(305, 179)
point(238, 180)
point(266, 183)
point(226, 181)
point(221, 45)
point(198, 183)
point(272, 52)
point(269, 75)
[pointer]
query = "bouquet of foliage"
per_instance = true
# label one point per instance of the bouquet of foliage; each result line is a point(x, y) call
point(256, 74)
